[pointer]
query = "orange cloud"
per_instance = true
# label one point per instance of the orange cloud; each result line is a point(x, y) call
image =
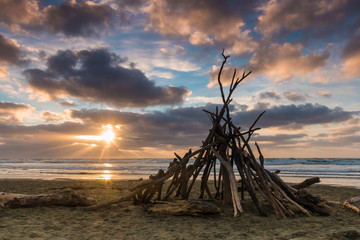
point(292, 15)
point(279, 62)
point(11, 113)
point(285, 61)
point(351, 66)
point(50, 116)
point(71, 18)
point(201, 23)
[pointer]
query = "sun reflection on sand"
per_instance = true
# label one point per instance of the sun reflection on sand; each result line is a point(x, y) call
point(106, 176)
point(107, 173)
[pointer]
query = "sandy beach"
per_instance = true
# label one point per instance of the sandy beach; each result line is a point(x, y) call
point(126, 221)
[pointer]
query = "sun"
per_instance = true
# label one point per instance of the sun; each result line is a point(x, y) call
point(108, 134)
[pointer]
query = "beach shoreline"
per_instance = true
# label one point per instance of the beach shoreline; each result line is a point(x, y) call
point(126, 221)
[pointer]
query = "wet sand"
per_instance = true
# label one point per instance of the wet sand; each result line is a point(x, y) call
point(126, 221)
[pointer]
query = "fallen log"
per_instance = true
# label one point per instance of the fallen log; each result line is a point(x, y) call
point(306, 183)
point(347, 204)
point(66, 198)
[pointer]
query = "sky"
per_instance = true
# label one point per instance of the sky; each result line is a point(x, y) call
point(130, 78)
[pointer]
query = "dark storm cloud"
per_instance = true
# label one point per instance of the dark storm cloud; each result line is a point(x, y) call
point(10, 52)
point(351, 55)
point(291, 15)
point(352, 47)
point(294, 116)
point(189, 125)
point(71, 18)
point(178, 127)
point(78, 19)
point(170, 117)
point(96, 76)
point(191, 120)
point(71, 128)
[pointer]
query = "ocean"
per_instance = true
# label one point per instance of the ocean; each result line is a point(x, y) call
point(332, 171)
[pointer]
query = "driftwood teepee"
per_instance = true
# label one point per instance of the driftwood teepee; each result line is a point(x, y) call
point(229, 145)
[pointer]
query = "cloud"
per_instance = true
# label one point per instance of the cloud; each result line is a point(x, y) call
point(126, 7)
point(200, 38)
point(50, 116)
point(3, 72)
point(44, 140)
point(343, 131)
point(20, 14)
point(292, 15)
point(279, 62)
point(261, 105)
point(71, 18)
point(11, 113)
point(294, 96)
point(175, 127)
point(67, 103)
point(10, 54)
point(175, 50)
point(188, 126)
point(324, 94)
point(226, 75)
point(270, 94)
point(178, 128)
point(279, 139)
point(294, 116)
point(64, 128)
point(183, 125)
point(203, 23)
point(78, 19)
point(351, 56)
point(96, 76)
point(285, 61)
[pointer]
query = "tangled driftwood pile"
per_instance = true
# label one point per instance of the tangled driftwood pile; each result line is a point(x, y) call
point(229, 145)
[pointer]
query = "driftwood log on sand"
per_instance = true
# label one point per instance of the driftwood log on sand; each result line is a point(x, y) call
point(306, 183)
point(225, 155)
point(348, 204)
point(65, 197)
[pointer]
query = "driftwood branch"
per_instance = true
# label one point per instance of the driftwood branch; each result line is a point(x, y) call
point(348, 204)
point(235, 197)
point(306, 183)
